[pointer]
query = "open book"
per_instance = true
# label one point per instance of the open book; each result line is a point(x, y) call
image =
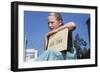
point(59, 40)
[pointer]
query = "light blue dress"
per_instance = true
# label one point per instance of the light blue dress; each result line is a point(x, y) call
point(52, 54)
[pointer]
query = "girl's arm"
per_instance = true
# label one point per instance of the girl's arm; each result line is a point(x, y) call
point(70, 25)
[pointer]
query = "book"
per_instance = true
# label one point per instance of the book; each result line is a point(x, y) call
point(59, 40)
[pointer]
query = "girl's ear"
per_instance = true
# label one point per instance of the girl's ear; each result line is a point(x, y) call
point(60, 23)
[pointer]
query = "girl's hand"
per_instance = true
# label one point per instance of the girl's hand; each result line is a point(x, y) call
point(71, 26)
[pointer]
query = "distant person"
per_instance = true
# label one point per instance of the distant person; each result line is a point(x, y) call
point(55, 23)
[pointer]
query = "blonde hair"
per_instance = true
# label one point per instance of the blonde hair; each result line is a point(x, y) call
point(57, 15)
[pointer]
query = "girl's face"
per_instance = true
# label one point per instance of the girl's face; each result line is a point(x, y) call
point(53, 23)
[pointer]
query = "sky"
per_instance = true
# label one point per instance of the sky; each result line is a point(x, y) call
point(36, 26)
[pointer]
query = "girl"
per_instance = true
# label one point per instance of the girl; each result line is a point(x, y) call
point(55, 23)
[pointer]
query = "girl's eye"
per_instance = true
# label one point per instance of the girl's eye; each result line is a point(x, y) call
point(50, 22)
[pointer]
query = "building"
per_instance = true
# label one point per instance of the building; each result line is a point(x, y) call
point(30, 54)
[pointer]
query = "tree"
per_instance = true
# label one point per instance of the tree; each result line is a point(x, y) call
point(78, 44)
